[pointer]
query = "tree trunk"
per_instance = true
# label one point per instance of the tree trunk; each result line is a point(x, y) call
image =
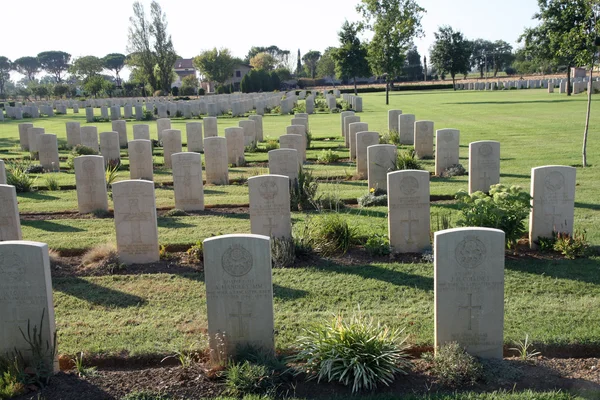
point(587, 117)
point(387, 92)
point(355, 88)
point(453, 82)
point(569, 80)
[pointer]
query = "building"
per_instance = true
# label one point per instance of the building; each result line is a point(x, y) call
point(236, 78)
point(183, 67)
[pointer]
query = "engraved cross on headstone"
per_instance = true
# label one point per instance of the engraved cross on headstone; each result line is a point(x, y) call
point(12, 323)
point(270, 226)
point(554, 215)
point(486, 179)
point(187, 178)
point(470, 307)
point(447, 159)
point(135, 216)
point(409, 221)
point(241, 332)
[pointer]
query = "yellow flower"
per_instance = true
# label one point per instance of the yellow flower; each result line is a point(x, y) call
point(372, 190)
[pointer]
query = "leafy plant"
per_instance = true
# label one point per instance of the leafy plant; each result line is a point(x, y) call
point(82, 150)
point(271, 144)
point(406, 160)
point(331, 234)
point(247, 378)
point(10, 371)
point(373, 200)
point(454, 367)
point(176, 212)
point(303, 191)
point(186, 356)
point(454, 170)
point(163, 253)
point(505, 208)
point(357, 351)
point(145, 395)
point(251, 148)
point(390, 137)
point(283, 252)
point(52, 183)
point(378, 245)
point(42, 354)
point(17, 176)
point(196, 252)
point(525, 349)
point(309, 138)
point(81, 369)
point(327, 157)
point(35, 169)
point(112, 173)
point(572, 246)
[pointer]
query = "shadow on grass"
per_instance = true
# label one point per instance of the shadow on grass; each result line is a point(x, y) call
point(37, 196)
point(96, 294)
point(515, 176)
point(587, 205)
point(515, 102)
point(172, 222)
point(50, 226)
point(370, 271)
point(580, 270)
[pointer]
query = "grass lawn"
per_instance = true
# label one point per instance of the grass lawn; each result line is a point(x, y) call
point(556, 302)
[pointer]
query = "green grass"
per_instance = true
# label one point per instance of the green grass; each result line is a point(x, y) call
point(555, 302)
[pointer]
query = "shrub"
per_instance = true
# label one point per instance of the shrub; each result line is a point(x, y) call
point(17, 176)
point(247, 378)
point(51, 183)
point(329, 201)
point(571, 246)
point(272, 144)
point(251, 148)
point(371, 200)
point(10, 384)
point(454, 170)
point(112, 173)
point(103, 257)
point(327, 156)
point(309, 138)
point(378, 245)
point(331, 234)
point(505, 208)
point(35, 169)
point(81, 150)
point(390, 137)
point(406, 160)
point(283, 252)
point(176, 213)
point(147, 116)
point(453, 366)
point(303, 191)
point(357, 352)
point(196, 252)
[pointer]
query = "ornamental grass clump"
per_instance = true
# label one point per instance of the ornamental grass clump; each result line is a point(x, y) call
point(357, 352)
point(505, 208)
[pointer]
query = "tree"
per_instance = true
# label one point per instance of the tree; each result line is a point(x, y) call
point(425, 67)
point(310, 60)
point(215, 65)
point(326, 64)
point(60, 89)
point(115, 62)
point(481, 51)
point(28, 66)
point(94, 85)
point(5, 67)
point(163, 47)
point(275, 81)
point(55, 63)
point(86, 67)
point(450, 52)
point(502, 56)
point(141, 56)
point(299, 64)
point(413, 69)
point(395, 23)
point(281, 56)
point(263, 61)
point(351, 57)
point(189, 85)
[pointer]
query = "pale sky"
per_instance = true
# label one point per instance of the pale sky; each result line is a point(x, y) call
point(71, 25)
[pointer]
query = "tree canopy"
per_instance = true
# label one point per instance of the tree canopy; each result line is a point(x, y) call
point(164, 51)
point(28, 66)
point(215, 65)
point(5, 67)
point(264, 61)
point(351, 56)
point(86, 67)
point(55, 63)
point(310, 60)
point(115, 62)
point(451, 52)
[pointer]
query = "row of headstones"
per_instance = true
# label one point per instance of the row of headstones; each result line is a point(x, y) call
point(578, 85)
point(468, 287)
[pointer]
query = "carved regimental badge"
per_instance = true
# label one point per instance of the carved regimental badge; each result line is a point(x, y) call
point(409, 185)
point(268, 190)
point(555, 181)
point(237, 261)
point(485, 150)
point(470, 253)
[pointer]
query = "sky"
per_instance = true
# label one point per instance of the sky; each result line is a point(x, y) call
point(69, 25)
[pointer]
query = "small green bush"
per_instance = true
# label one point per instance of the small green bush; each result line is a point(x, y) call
point(283, 252)
point(329, 201)
point(407, 160)
point(196, 252)
point(570, 246)
point(251, 148)
point(81, 150)
point(454, 170)
point(357, 352)
point(372, 200)
point(147, 115)
point(247, 378)
point(35, 169)
point(327, 156)
point(17, 176)
point(505, 208)
point(303, 191)
point(175, 212)
point(272, 144)
point(52, 183)
point(331, 234)
point(10, 383)
point(454, 367)
point(378, 245)
point(145, 395)
point(309, 138)
point(390, 137)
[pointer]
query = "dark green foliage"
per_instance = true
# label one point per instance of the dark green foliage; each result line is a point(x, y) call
point(357, 352)
point(451, 52)
point(17, 176)
point(407, 160)
point(35, 169)
point(331, 234)
point(196, 252)
point(82, 150)
point(42, 354)
point(175, 91)
point(378, 245)
point(303, 192)
point(248, 378)
point(505, 208)
point(454, 367)
point(327, 156)
point(454, 170)
point(145, 395)
point(373, 200)
point(351, 56)
point(570, 246)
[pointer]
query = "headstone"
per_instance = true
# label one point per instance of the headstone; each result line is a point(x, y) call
point(48, 152)
point(115, 113)
point(239, 294)
point(104, 112)
point(135, 222)
point(89, 114)
point(284, 162)
point(120, 127)
point(358, 104)
point(23, 135)
point(162, 124)
point(171, 139)
point(446, 149)
point(469, 290)
point(139, 112)
point(258, 126)
point(553, 201)
point(393, 120)
point(10, 223)
point(424, 139)
point(140, 159)
point(127, 111)
point(187, 181)
point(215, 160)
point(90, 181)
point(109, 148)
point(310, 105)
point(363, 141)
point(73, 133)
point(32, 139)
point(484, 165)
point(210, 127)
point(408, 211)
point(249, 131)
point(2, 173)
point(353, 129)
point(235, 146)
point(141, 132)
point(406, 124)
point(295, 142)
point(89, 137)
point(193, 131)
point(343, 115)
point(347, 121)
point(26, 287)
point(381, 158)
point(270, 206)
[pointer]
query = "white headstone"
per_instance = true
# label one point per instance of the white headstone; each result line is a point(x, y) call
point(193, 132)
point(89, 137)
point(187, 181)
point(48, 152)
point(484, 165)
point(140, 159)
point(120, 127)
point(446, 149)
point(381, 158)
point(10, 223)
point(90, 181)
point(73, 133)
point(109, 147)
point(171, 139)
point(424, 139)
point(406, 125)
point(210, 127)
point(161, 125)
point(235, 146)
point(270, 206)
point(353, 129)
point(215, 160)
point(141, 132)
point(363, 141)
point(295, 142)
